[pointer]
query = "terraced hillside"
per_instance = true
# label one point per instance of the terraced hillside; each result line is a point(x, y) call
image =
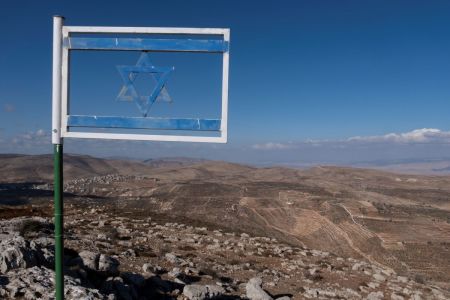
point(401, 222)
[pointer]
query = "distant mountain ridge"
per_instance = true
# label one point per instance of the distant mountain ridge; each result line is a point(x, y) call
point(172, 161)
point(438, 166)
point(411, 166)
point(40, 167)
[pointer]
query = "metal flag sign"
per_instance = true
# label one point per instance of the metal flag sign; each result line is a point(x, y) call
point(65, 124)
point(77, 38)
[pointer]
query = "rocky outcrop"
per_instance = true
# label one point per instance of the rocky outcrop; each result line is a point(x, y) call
point(17, 253)
point(112, 257)
point(37, 283)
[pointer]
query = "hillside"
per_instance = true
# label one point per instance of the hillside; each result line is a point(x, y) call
point(394, 221)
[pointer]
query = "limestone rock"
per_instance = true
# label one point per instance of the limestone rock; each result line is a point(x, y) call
point(201, 292)
point(375, 296)
point(37, 283)
point(172, 258)
point(90, 259)
point(16, 253)
point(108, 265)
point(379, 277)
point(255, 291)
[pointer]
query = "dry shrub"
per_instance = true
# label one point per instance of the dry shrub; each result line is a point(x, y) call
point(33, 227)
point(206, 270)
point(419, 278)
point(163, 250)
point(186, 248)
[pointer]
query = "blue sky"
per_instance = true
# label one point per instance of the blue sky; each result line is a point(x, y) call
point(302, 73)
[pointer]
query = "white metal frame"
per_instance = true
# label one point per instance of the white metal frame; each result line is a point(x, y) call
point(60, 131)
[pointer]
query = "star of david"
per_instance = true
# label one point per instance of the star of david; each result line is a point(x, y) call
point(128, 91)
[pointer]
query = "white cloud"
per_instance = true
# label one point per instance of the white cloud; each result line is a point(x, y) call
point(272, 146)
point(419, 136)
point(430, 142)
point(40, 132)
point(32, 138)
point(424, 135)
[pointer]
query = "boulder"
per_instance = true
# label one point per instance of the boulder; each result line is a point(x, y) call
point(379, 277)
point(375, 296)
point(38, 283)
point(201, 292)
point(172, 258)
point(148, 269)
point(255, 291)
point(108, 265)
point(90, 259)
point(17, 252)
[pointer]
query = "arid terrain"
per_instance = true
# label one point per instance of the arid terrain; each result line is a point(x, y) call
point(173, 229)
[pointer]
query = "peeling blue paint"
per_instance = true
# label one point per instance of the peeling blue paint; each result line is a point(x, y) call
point(138, 44)
point(143, 123)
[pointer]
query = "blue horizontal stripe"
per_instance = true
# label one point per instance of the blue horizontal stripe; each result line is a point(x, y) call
point(144, 123)
point(138, 44)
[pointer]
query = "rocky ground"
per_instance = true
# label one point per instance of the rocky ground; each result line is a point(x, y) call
point(111, 256)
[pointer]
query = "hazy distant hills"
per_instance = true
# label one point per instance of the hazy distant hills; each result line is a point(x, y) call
point(40, 167)
point(172, 161)
point(407, 166)
point(398, 220)
point(438, 166)
point(17, 167)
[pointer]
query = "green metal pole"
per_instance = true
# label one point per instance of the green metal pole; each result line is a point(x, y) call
point(59, 221)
